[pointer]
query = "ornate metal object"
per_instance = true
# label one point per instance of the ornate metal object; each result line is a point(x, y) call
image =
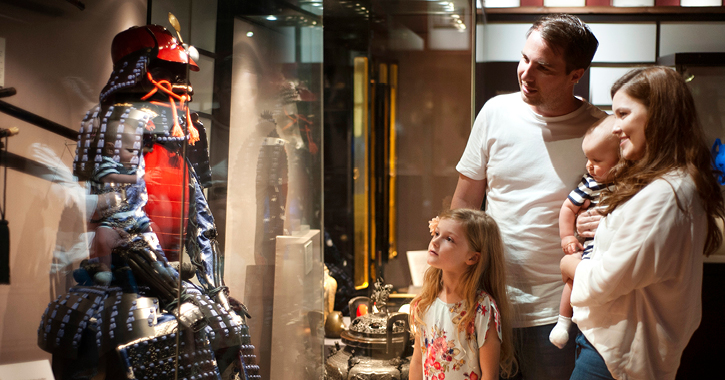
point(377, 345)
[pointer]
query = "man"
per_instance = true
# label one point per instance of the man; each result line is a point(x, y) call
point(524, 154)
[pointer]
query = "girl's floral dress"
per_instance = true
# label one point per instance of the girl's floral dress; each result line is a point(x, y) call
point(448, 354)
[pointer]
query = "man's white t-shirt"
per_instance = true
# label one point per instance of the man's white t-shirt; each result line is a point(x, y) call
point(530, 164)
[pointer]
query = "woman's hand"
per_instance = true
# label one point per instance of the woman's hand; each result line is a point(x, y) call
point(587, 223)
point(568, 266)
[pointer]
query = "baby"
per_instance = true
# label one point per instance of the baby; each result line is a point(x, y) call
point(601, 148)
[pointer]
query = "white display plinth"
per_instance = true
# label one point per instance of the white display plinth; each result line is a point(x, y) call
point(297, 320)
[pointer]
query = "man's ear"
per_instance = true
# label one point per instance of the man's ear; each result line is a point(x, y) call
point(473, 258)
point(576, 75)
point(108, 149)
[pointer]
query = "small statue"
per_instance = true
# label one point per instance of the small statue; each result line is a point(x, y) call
point(381, 294)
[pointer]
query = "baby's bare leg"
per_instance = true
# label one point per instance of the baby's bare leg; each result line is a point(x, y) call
point(565, 308)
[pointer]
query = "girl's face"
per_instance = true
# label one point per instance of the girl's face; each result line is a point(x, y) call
point(630, 118)
point(449, 250)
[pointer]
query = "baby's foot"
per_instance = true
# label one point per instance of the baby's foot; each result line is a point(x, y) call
point(560, 333)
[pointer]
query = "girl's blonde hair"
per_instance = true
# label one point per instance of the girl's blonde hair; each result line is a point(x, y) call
point(489, 274)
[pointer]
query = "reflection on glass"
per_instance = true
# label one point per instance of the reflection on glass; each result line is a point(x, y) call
point(145, 157)
point(273, 238)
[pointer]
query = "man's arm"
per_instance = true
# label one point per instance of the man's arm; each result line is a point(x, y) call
point(469, 193)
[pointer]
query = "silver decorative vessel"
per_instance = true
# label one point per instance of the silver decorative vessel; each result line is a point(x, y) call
point(377, 345)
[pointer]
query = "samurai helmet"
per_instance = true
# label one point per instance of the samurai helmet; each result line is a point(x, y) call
point(151, 38)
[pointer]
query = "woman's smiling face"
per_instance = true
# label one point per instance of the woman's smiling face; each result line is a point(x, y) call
point(630, 119)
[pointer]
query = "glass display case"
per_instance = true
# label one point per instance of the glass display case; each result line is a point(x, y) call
point(162, 191)
point(162, 204)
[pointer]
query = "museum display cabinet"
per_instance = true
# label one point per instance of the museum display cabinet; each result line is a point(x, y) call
point(162, 189)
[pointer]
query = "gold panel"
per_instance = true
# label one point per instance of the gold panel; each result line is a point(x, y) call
point(360, 163)
point(393, 160)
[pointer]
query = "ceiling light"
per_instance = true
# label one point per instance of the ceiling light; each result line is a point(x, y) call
point(271, 18)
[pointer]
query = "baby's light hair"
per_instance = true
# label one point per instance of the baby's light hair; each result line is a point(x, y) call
point(600, 133)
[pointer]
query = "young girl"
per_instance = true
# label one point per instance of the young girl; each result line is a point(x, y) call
point(462, 317)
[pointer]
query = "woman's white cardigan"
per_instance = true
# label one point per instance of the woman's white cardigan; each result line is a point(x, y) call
point(638, 298)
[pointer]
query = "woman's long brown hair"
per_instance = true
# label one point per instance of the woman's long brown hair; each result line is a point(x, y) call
point(674, 140)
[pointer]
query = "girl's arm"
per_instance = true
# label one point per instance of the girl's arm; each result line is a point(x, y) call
point(416, 364)
point(567, 218)
point(488, 357)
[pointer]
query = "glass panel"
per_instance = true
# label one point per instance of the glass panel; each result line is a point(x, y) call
point(203, 84)
point(707, 84)
point(602, 79)
point(57, 59)
point(273, 209)
point(625, 42)
point(423, 118)
point(500, 42)
point(204, 22)
point(676, 37)
point(181, 9)
point(149, 254)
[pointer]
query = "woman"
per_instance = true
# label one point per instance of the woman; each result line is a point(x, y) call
point(637, 300)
